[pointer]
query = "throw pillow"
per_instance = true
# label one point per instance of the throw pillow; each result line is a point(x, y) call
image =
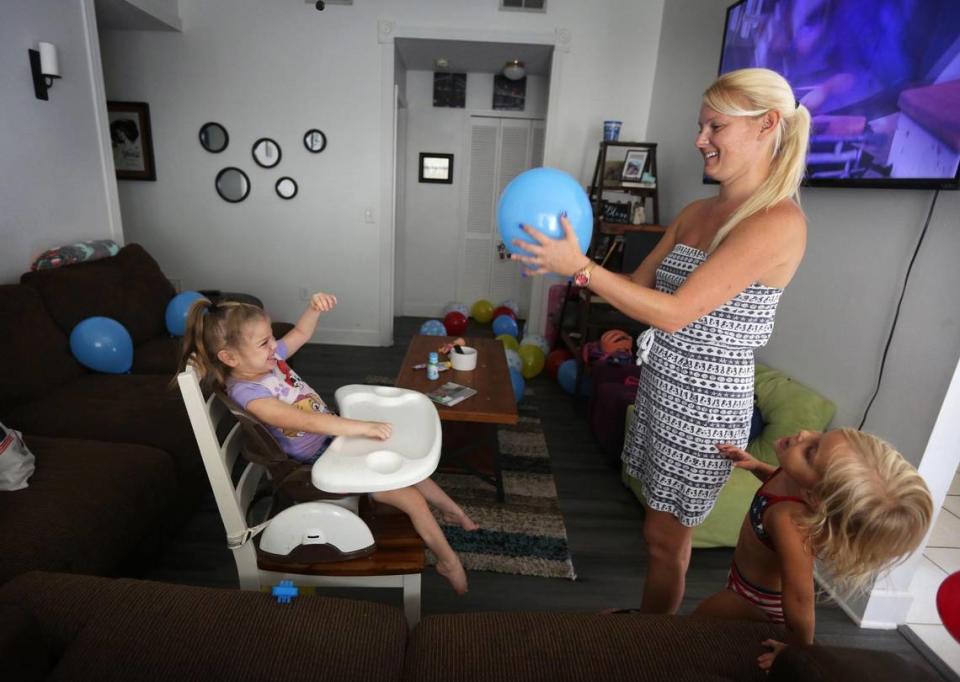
point(16, 461)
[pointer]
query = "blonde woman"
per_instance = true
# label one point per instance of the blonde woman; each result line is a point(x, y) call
point(709, 292)
point(844, 497)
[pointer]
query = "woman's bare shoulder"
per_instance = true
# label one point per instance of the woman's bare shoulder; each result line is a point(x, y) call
point(782, 224)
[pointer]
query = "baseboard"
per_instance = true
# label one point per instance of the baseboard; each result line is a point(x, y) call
point(884, 610)
point(423, 309)
point(348, 337)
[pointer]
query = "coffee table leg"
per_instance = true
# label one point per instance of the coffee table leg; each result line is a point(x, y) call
point(494, 445)
point(473, 449)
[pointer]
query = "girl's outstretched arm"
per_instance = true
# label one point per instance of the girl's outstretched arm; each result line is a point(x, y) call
point(303, 331)
point(744, 460)
point(283, 416)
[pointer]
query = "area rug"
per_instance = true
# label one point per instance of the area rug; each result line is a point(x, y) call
point(525, 535)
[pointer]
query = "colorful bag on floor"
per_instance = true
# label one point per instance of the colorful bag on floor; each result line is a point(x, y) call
point(17, 463)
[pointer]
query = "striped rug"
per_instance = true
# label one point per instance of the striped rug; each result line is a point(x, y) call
point(525, 535)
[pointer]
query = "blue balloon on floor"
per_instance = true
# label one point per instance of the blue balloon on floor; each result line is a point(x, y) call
point(103, 345)
point(567, 376)
point(516, 378)
point(177, 310)
point(504, 324)
point(537, 197)
point(433, 328)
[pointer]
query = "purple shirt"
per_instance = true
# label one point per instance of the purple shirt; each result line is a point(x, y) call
point(285, 385)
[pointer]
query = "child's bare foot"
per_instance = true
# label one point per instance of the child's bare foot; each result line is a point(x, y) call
point(459, 518)
point(455, 575)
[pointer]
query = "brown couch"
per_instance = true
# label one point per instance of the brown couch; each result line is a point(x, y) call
point(69, 627)
point(117, 463)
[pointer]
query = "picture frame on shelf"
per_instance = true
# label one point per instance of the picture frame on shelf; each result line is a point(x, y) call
point(612, 170)
point(131, 140)
point(436, 168)
point(634, 165)
point(616, 212)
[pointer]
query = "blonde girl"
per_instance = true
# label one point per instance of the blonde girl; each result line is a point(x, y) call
point(232, 347)
point(709, 292)
point(844, 497)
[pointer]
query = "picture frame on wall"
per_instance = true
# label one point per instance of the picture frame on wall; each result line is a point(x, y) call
point(509, 95)
point(131, 140)
point(449, 90)
point(436, 168)
point(634, 165)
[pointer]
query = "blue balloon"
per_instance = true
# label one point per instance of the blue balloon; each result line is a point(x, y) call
point(504, 324)
point(537, 197)
point(567, 376)
point(516, 378)
point(177, 310)
point(103, 345)
point(514, 361)
point(433, 328)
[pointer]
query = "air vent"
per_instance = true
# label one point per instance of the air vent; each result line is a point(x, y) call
point(524, 5)
point(330, 2)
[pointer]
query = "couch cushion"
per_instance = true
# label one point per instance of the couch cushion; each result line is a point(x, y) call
point(534, 647)
point(144, 631)
point(128, 287)
point(88, 507)
point(140, 409)
point(36, 353)
point(23, 649)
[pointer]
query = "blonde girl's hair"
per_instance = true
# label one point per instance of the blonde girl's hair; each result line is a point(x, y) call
point(871, 511)
point(210, 328)
point(753, 93)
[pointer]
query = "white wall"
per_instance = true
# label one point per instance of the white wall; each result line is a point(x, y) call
point(57, 182)
point(835, 316)
point(279, 68)
point(431, 226)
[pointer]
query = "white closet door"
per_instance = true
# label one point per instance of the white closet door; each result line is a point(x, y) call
point(474, 279)
point(500, 150)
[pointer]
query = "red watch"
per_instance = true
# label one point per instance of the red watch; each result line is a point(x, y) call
point(581, 278)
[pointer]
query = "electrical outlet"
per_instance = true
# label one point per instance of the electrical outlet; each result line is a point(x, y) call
point(304, 294)
point(368, 215)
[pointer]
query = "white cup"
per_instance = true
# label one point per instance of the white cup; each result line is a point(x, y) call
point(464, 362)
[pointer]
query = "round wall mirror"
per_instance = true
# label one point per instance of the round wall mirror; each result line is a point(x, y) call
point(233, 185)
point(315, 141)
point(286, 188)
point(266, 152)
point(213, 137)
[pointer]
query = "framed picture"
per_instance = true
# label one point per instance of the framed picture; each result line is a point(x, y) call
point(449, 90)
point(437, 168)
point(634, 165)
point(509, 95)
point(131, 140)
point(611, 172)
point(616, 212)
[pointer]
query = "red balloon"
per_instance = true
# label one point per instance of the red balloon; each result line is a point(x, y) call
point(455, 322)
point(504, 310)
point(948, 604)
point(555, 359)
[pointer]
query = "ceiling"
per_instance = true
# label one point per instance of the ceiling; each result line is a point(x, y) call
point(465, 56)
point(120, 15)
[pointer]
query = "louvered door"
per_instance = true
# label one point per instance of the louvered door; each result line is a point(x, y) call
point(500, 149)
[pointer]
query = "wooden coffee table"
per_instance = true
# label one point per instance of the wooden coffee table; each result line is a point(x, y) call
point(470, 443)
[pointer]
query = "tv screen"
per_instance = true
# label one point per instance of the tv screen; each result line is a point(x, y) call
point(881, 79)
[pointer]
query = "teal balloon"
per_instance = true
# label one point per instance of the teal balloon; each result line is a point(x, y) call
point(177, 310)
point(504, 324)
point(516, 379)
point(103, 345)
point(514, 361)
point(537, 197)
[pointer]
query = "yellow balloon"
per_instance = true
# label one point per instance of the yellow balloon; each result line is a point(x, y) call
point(509, 341)
point(482, 311)
point(533, 360)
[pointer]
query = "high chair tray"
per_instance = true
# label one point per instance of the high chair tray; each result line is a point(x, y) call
point(410, 455)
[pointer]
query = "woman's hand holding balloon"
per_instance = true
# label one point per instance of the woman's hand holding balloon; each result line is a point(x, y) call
point(560, 256)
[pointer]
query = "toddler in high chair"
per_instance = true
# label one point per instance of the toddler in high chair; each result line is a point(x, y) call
point(232, 346)
point(844, 497)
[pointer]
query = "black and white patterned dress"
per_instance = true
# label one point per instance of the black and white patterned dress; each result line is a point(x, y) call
point(696, 390)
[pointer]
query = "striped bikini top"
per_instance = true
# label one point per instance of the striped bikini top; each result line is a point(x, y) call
point(762, 501)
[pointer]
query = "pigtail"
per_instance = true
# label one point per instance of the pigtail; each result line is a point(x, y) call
point(194, 351)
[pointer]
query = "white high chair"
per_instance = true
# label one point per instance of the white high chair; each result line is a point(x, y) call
point(324, 544)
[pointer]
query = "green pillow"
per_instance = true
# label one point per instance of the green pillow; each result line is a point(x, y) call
point(787, 407)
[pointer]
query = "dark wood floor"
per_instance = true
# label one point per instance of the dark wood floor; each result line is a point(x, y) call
point(603, 521)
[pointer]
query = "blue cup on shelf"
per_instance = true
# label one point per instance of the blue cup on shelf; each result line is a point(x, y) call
point(611, 130)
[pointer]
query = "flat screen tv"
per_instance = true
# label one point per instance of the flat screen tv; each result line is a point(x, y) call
point(881, 79)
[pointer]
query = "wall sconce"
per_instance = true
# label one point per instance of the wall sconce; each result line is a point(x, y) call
point(45, 67)
point(514, 70)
